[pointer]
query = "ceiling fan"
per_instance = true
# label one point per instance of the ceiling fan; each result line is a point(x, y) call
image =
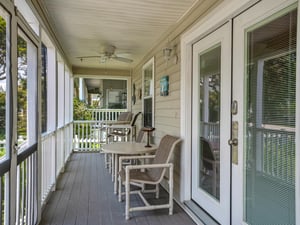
point(108, 53)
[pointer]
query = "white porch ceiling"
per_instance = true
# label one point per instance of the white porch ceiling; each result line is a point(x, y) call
point(85, 27)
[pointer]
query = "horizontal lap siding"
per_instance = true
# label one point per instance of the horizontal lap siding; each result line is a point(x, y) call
point(167, 108)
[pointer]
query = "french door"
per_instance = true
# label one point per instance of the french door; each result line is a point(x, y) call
point(211, 116)
point(244, 131)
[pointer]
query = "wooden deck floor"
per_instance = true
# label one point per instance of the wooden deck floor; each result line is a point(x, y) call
point(84, 196)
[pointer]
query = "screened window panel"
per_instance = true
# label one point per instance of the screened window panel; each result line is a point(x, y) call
point(44, 88)
point(4, 104)
point(27, 91)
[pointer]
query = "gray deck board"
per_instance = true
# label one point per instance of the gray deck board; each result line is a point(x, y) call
point(84, 196)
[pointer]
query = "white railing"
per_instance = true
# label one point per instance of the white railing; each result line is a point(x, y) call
point(274, 153)
point(48, 164)
point(210, 131)
point(105, 114)
point(4, 187)
point(87, 135)
point(56, 149)
point(272, 149)
point(26, 199)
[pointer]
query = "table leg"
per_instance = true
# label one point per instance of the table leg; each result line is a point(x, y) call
point(116, 174)
point(112, 167)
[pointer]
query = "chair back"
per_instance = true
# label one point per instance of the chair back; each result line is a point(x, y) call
point(135, 118)
point(163, 155)
point(125, 116)
point(140, 136)
point(208, 156)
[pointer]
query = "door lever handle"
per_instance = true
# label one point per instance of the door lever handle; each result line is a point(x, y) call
point(233, 142)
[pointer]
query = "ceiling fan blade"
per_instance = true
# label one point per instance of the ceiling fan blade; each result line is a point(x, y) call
point(121, 59)
point(89, 57)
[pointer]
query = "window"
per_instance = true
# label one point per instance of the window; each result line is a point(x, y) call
point(27, 13)
point(67, 118)
point(44, 88)
point(60, 92)
point(27, 89)
point(148, 93)
point(48, 84)
point(4, 55)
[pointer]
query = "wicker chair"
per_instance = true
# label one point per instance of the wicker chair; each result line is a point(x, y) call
point(153, 174)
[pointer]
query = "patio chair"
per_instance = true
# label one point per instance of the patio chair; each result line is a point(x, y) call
point(210, 164)
point(140, 136)
point(124, 131)
point(152, 173)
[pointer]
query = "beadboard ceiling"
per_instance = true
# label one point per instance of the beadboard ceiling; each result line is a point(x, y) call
point(86, 27)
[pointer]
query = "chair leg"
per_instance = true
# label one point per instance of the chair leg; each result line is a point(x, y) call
point(171, 185)
point(112, 167)
point(105, 160)
point(120, 189)
point(157, 191)
point(127, 196)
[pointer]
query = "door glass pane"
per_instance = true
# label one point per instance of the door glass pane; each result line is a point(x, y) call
point(148, 112)
point(270, 140)
point(210, 65)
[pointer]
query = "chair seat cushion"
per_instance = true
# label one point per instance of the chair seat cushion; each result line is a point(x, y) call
point(137, 176)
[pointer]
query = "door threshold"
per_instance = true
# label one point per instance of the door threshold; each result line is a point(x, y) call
point(200, 213)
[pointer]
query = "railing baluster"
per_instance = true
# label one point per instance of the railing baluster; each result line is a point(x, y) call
point(87, 134)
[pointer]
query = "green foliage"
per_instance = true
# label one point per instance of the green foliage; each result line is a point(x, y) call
point(80, 111)
point(2, 48)
point(2, 152)
point(22, 108)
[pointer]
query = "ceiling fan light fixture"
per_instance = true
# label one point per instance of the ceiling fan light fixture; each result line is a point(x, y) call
point(107, 54)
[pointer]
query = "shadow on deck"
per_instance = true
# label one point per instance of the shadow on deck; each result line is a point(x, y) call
point(84, 196)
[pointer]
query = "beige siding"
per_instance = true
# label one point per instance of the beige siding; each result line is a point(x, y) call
point(167, 108)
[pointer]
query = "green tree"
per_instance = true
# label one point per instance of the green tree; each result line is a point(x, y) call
point(80, 111)
point(2, 49)
point(2, 77)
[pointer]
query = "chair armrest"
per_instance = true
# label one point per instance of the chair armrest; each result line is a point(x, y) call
point(112, 123)
point(136, 157)
point(115, 126)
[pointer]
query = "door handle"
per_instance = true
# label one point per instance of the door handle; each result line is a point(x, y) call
point(233, 142)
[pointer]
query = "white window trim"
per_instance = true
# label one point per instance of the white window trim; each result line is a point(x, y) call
point(152, 88)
